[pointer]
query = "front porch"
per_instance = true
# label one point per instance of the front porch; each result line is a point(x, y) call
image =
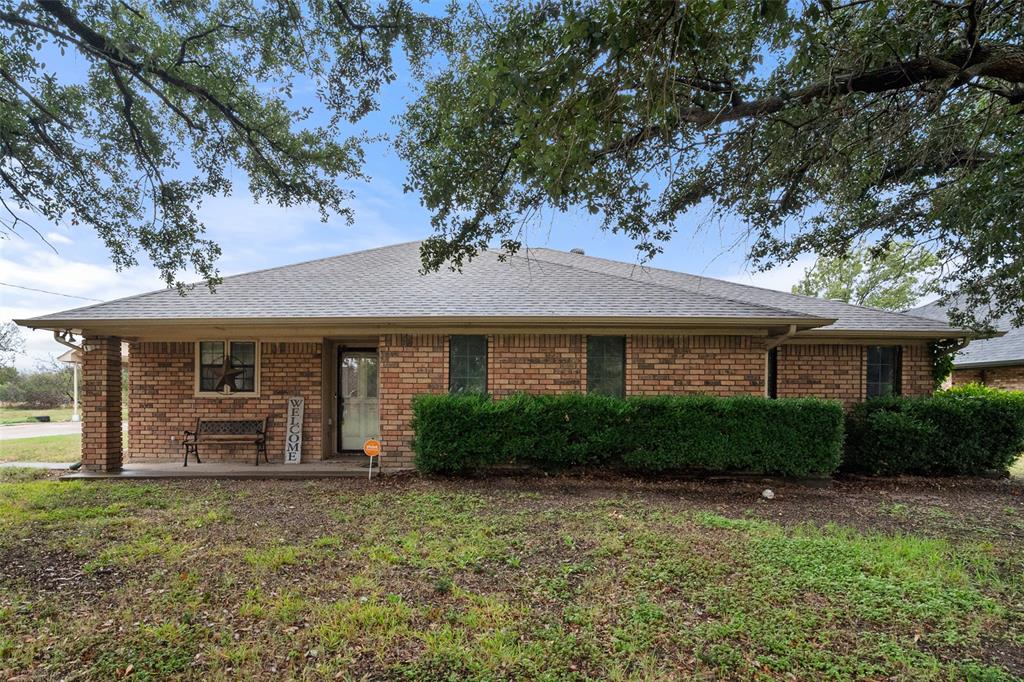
point(336, 378)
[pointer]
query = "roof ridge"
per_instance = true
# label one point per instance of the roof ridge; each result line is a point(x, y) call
point(790, 313)
point(192, 285)
point(746, 286)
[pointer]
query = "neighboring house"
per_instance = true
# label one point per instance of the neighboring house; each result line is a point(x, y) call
point(359, 335)
point(996, 362)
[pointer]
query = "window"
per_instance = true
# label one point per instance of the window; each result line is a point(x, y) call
point(467, 364)
point(606, 365)
point(773, 373)
point(227, 363)
point(883, 371)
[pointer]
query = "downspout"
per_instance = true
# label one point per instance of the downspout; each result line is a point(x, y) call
point(774, 341)
point(62, 339)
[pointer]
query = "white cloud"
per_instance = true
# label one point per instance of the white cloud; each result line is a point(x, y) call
point(58, 238)
point(780, 278)
point(33, 265)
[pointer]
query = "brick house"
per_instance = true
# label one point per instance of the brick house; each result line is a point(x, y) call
point(359, 335)
point(997, 362)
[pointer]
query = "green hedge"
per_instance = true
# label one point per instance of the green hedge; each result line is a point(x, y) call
point(792, 437)
point(965, 430)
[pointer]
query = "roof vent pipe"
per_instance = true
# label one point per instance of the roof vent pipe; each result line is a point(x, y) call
point(578, 251)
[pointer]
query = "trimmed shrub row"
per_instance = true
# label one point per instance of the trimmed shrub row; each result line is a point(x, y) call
point(790, 437)
point(965, 430)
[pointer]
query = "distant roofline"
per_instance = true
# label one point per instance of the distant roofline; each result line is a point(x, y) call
point(642, 266)
point(982, 364)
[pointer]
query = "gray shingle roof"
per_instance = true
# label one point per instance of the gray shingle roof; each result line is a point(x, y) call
point(385, 283)
point(1001, 350)
point(848, 318)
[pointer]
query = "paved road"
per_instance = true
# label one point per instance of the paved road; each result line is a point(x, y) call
point(37, 429)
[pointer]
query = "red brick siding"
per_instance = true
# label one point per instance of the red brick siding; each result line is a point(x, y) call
point(715, 365)
point(163, 404)
point(917, 371)
point(410, 365)
point(839, 371)
point(1009, 377)
point(536, 363)
point(101, 404)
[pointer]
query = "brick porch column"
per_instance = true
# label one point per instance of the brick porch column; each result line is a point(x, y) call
point(101, 403)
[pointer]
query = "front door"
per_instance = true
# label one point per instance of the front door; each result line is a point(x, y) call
point(357, 400)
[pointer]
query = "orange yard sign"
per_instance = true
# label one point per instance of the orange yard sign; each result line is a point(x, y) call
point(372, 449)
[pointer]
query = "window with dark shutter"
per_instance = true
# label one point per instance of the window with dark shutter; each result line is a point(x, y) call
point(467, 364)
point(606, 365)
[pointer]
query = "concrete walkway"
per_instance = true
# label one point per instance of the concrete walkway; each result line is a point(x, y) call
point(37, 465)
point(39, 429)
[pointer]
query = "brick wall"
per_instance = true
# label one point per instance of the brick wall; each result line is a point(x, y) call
point(536, 363)
point(410, 365)
point(715, 365)
point(917, 371)
point(163, 404)
point(101, 404)
point(839, 371)
point(1010, 377)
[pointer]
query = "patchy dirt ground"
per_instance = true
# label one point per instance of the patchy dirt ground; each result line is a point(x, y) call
point(512, 578)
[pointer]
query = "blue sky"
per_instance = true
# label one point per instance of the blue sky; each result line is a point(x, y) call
point(254, 236)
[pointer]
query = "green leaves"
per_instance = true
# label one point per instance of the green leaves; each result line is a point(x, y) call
point(791, 437)
point(968, 430)
point(821, 126)
point(892, 276)
point(141, 113)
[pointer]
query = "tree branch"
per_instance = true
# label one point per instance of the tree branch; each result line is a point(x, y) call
point(995, 60)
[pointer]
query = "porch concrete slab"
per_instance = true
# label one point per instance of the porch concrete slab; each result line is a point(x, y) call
point(227, 470)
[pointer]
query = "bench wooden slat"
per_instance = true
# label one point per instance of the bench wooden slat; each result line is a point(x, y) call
point(227, 431)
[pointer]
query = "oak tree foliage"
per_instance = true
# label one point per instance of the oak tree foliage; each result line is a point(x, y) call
point(819, 124)
point(123, 116)
point(894, 277)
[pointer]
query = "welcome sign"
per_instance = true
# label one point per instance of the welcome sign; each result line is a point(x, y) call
point(293, 431)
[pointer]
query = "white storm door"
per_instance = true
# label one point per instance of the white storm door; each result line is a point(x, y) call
point(359, 419)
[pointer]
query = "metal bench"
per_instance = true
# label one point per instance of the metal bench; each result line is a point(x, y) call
point(224, 431)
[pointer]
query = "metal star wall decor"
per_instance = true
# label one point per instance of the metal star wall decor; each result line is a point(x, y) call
point(228, 375)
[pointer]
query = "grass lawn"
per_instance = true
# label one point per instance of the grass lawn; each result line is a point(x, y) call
point(554, 578)
point(1017, 470)
point(66, 448)
point(18, 415)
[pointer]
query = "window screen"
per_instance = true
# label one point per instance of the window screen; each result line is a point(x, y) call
point(606, 365)
point(211, 364)
point(467, 364)
point(242, 357)
point(883, 371)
